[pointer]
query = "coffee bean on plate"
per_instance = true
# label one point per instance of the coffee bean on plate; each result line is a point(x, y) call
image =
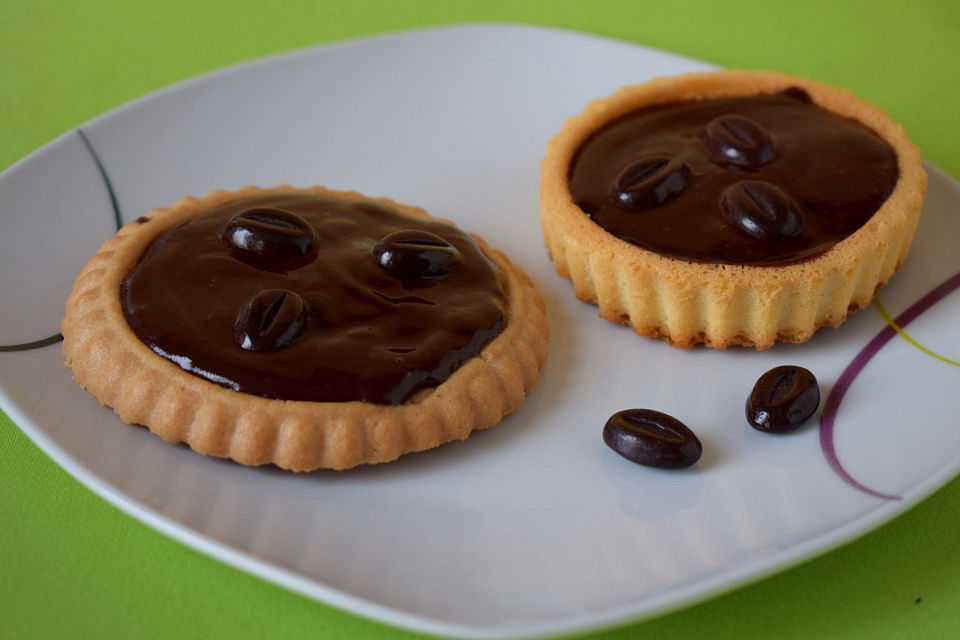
point(652, 439)
point(782, 399)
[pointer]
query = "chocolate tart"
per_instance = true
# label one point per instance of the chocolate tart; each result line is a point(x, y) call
point(336, 359)
point(649, 204)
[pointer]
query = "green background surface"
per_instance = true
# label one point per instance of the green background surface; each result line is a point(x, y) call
point(73, 566)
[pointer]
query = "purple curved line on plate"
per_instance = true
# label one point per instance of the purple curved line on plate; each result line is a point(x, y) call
point(853, 369)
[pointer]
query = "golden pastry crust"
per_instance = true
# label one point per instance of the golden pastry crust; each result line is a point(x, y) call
point(143, 388)
point(687, 302)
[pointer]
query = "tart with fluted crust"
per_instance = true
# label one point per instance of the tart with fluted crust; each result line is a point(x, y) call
point(108, 359)
point(687, 301)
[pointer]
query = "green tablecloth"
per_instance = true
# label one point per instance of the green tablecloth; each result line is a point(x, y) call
point(73, 566)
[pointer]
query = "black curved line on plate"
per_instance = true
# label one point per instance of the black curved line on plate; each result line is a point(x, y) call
point(36, 344)
point(106, 178)
point(43, 342)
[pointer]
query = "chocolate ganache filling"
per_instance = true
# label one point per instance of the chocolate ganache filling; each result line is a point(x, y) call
point(299, 297)
point(761, 180)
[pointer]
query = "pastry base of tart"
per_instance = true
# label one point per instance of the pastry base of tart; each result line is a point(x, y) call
point(685, 302)
point(108, 360)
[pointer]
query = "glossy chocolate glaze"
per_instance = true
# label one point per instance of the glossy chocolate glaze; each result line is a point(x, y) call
point(835, 172)
point(233, 317)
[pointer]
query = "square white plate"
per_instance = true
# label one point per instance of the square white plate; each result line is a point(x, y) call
point(533, 527)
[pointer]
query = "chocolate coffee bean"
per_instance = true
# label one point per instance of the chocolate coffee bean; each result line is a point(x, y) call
point(270, 233)
point(738, 142)
point(783, 399)
point(416, 253)
point(650, 182)
point(761, 210)
point(652, 439)
point(271, 320)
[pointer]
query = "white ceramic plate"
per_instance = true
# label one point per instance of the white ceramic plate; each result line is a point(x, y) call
point(533, 527)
